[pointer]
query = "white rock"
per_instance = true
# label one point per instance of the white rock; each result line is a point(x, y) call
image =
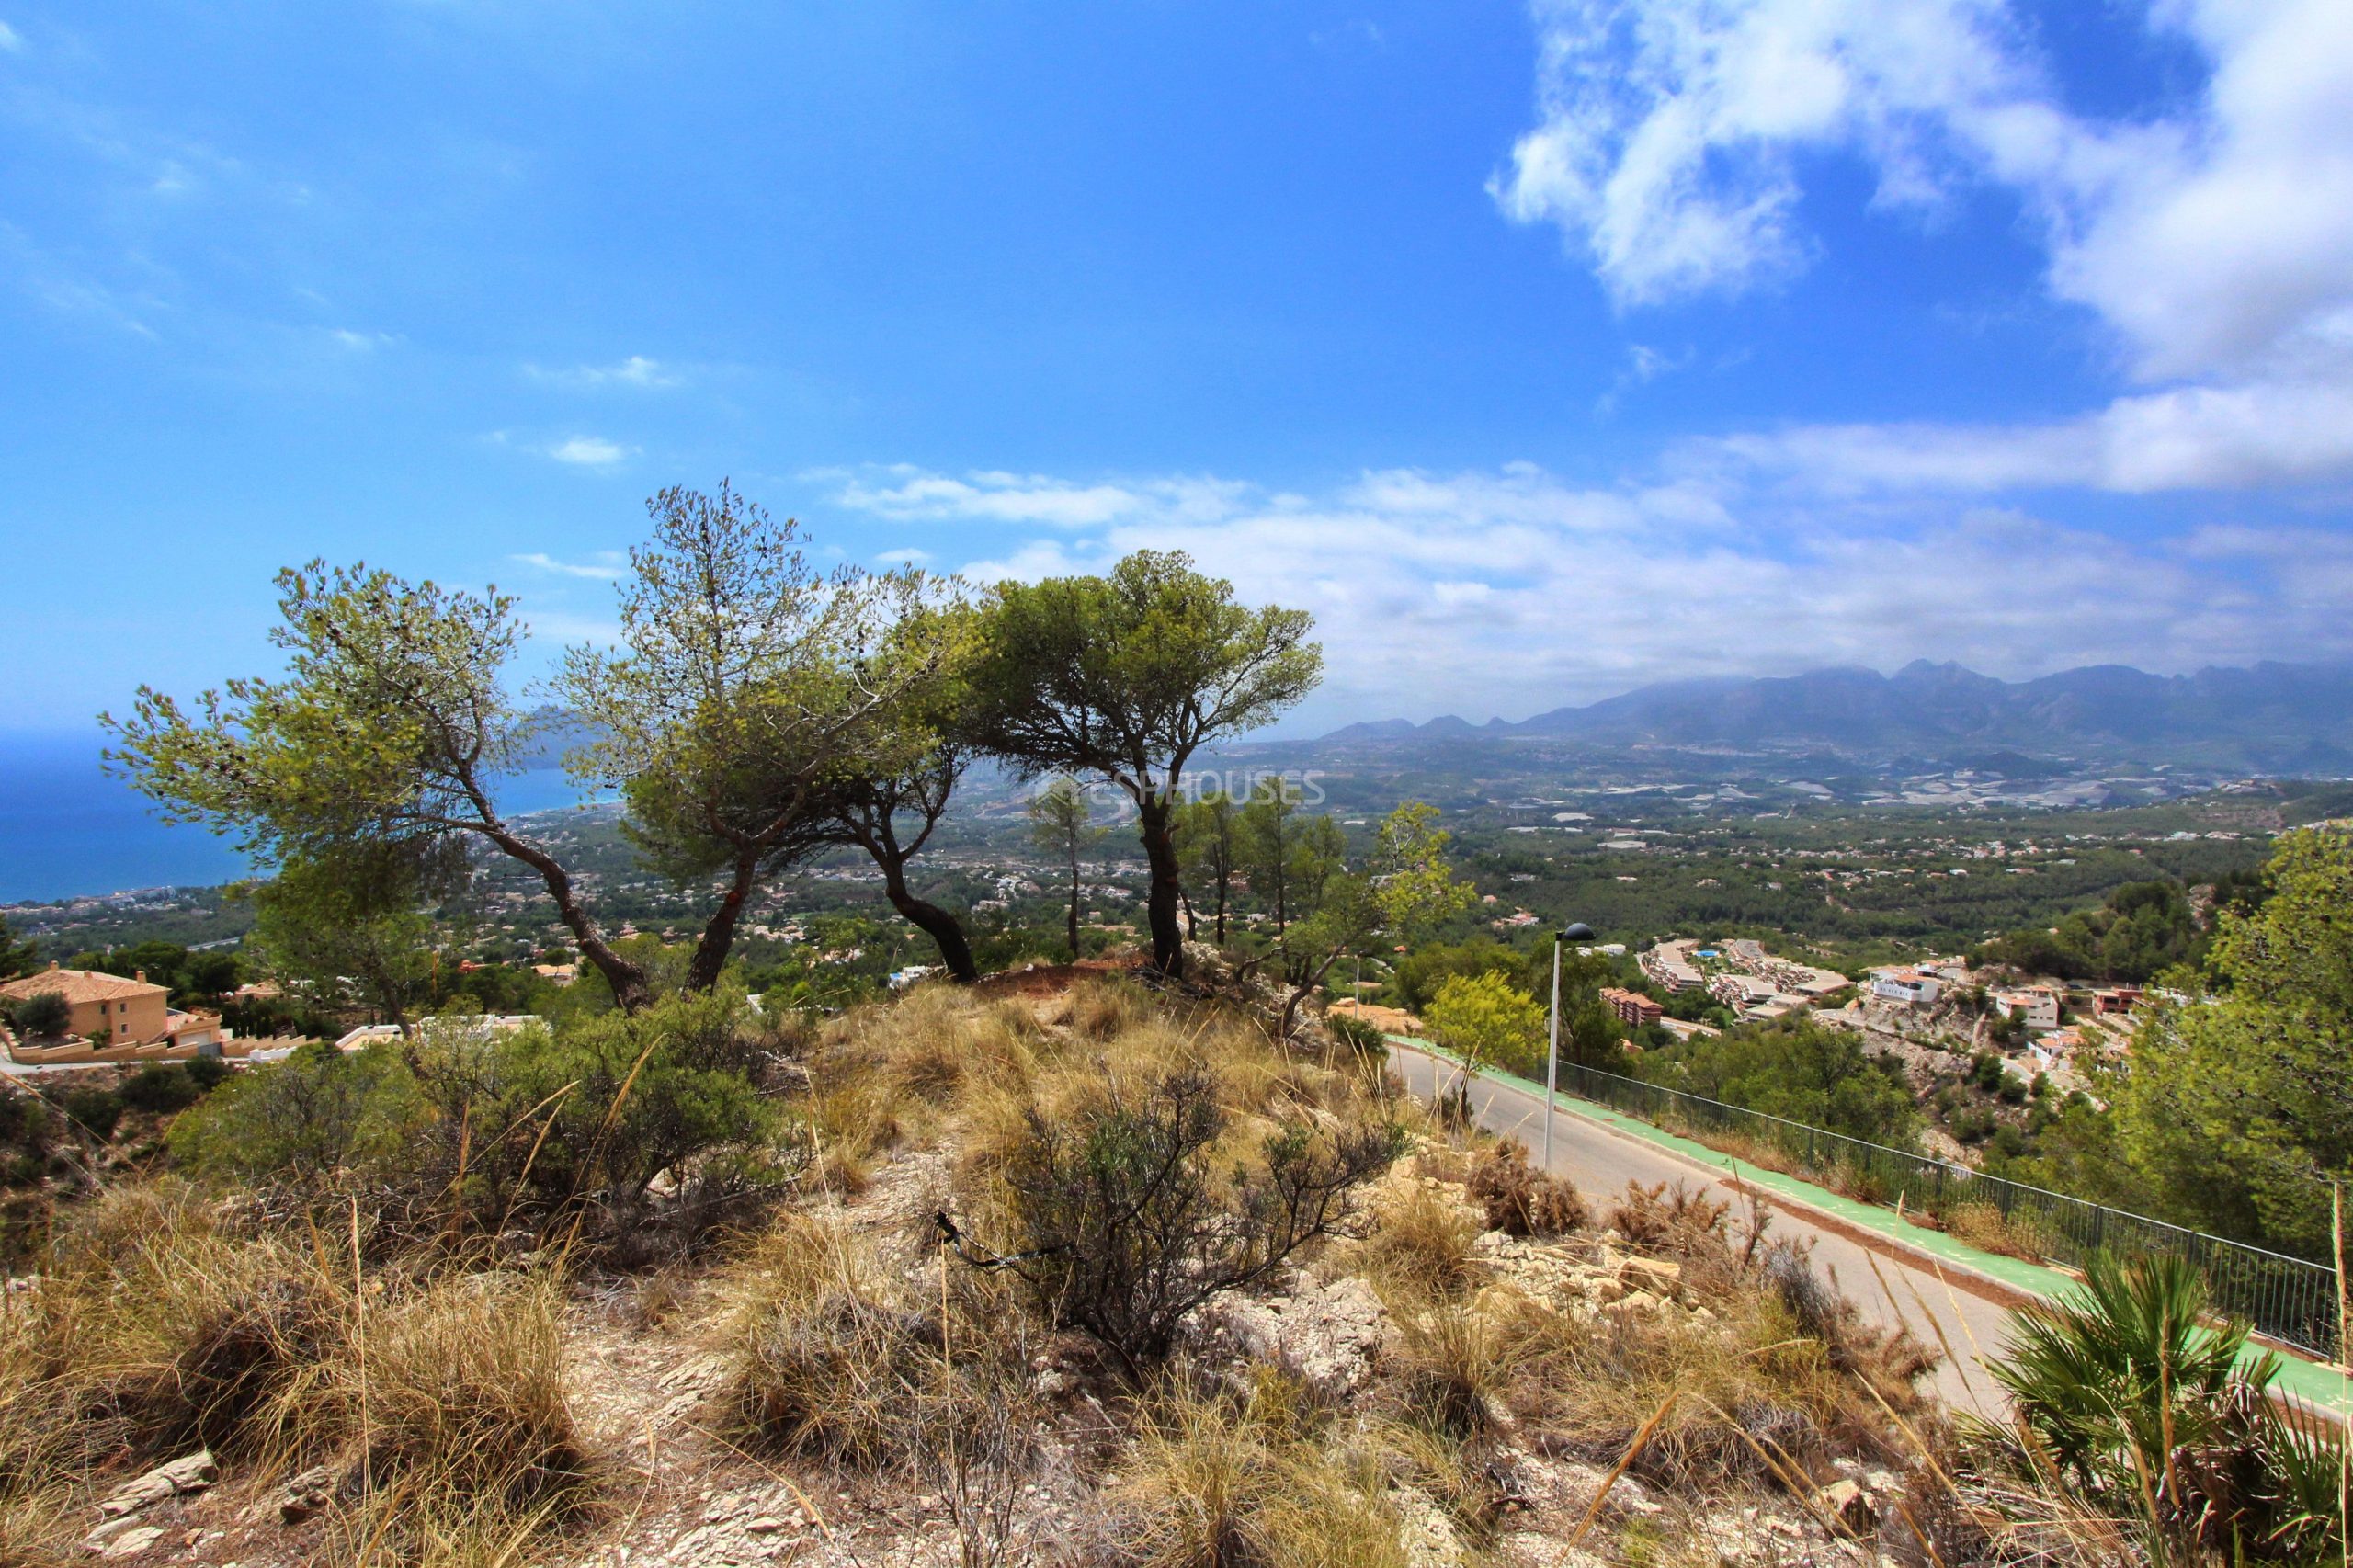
point(131, 1542)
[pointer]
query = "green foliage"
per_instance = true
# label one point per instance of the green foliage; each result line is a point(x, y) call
point(1406, 886)
point(1800, 1071)
point(27, 1126)
point(1423, 970)
point(89, 1111)
point(18, 955)
point(2141, 929)
point(347, 925)
point(2236, 1106)
point(1061, 823)
point(319, 1111)
point(2143, 1401)
point(44, 1015)
point(639, 1094)
point(161, 1087)
point(193, 979)
point(1126, 675)
point(1208, 842)
point(1287, 856)
point(1487, 1021)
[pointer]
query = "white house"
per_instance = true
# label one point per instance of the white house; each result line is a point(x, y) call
point(1908, 985)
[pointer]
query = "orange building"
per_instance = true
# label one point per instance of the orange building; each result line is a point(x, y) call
point(1633, 1009)
point(109, 1012)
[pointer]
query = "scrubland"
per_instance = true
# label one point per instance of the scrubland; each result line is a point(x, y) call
point(1069, 1274)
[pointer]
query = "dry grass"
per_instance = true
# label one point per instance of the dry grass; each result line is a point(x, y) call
point(841, 1358)
point(1986, 1227)
point(155, 1328)
point(824, 1352)
point(1216, 1481)
point(1419, 1249)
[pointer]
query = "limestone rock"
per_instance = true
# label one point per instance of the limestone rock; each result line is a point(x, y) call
point(131, 1542)
point(1327, 1332)
point(1847, 1502)
point(191, 1473)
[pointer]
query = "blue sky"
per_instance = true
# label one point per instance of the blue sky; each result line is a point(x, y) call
point(1540, 350)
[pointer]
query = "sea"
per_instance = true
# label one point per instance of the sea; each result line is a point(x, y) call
point(68, 829)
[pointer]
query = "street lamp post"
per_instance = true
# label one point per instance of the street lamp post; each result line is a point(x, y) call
point(1577, 932)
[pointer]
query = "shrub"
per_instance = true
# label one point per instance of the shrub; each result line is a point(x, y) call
point(91, 1111)
point(1984, 1225)
point(635, 1095)
point(1488, 1022)
point(206, 1073)
point(2147, 1405)
point(1363, 1038)
point(161, 1087)
point(319, 1111)
point(1682, 1220)
point(45, 1015)
point(1133, 1226)
point(1522, 1200)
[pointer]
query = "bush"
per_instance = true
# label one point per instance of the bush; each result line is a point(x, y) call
point(206, 1073)
point(1364, 1039)
point(161, 1087)
point(319, 1111)
point(1522, 1200)
point(634, 1097)
point(1135, 1224)
point(2147, 1406)
point(45, 1015)
point(91, 1111)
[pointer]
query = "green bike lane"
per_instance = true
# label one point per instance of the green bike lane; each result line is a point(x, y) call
point(1957, 1293)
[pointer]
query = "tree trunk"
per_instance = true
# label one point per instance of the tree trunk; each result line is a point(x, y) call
point(1299, 994)
point(718, 933)
point(1074, 898)
point(626, 978)
point(1224, 877)
point(1160, 852)
point(1192, 921)
point(946, 932)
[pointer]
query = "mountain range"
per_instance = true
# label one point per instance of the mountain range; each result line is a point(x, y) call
point(2274, 718)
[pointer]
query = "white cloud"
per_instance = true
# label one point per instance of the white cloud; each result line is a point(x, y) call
point(2216, 243)
point(637, 371)
point(1512, 590)
point(993, 496)
point(589, 451)
point(2256, 434)
point(604, 566)
point(11, 41)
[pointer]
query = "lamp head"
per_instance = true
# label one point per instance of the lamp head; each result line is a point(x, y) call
point(1579, 932)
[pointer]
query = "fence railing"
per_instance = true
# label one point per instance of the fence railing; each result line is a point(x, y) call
point(2291, 1300)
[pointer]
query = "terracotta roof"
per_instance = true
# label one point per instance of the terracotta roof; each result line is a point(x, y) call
point(78, 985)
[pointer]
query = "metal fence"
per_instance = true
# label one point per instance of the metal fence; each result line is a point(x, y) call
point(2291, 1300)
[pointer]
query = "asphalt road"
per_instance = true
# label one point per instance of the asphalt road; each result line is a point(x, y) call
point(1601, 1161)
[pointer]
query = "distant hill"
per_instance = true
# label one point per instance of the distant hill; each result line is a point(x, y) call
point(2273, 718)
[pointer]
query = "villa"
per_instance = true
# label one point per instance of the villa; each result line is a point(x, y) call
point(111, 1019)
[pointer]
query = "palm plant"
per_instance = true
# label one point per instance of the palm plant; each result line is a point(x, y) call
point(2150, 1406)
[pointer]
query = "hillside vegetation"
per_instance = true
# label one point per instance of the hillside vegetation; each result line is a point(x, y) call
point(1033, 1272)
